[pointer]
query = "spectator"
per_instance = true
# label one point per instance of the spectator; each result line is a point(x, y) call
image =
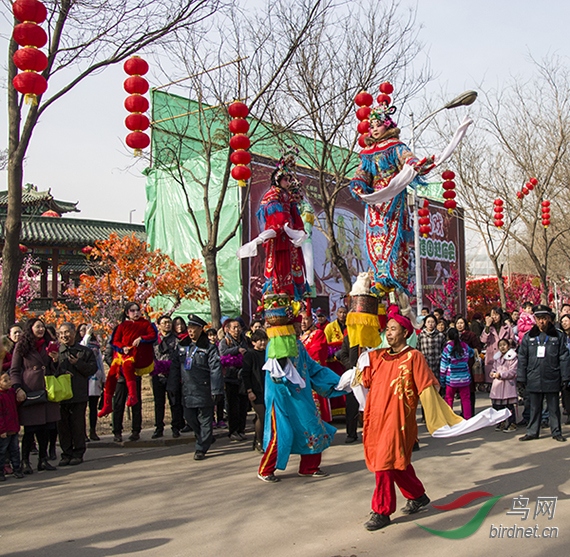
point(472, 340)
point(165, 360)
point(526, 321)
point(30, 364)
point(565, 326)
point(181, 331)
point(9, 427)
point(454, 371)
point(515, 314)
point(544, 367)
point(442, 326)
point(439, 314)
point(199, 373)
point(96, 381)
point(477, 324)
point(212, 335)
point(79, 361)
point(232, 349)
point(495, 329)
point(219, 400)
point(431, 343)
point(13, 336)
point(504, 388)
point(322, 319)
point(254, 382)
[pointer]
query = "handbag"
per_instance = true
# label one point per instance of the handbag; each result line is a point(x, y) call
point(35, 397)
point(477, 369)
point(58, 388)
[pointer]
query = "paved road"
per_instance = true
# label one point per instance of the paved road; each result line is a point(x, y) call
point(158, 501)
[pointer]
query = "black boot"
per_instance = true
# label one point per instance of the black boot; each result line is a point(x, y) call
point(44, 464)
point(26, 467)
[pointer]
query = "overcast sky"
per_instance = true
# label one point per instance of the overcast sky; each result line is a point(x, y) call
point(78, 148)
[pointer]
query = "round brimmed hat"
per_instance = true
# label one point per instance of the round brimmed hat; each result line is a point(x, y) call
point(195, 320)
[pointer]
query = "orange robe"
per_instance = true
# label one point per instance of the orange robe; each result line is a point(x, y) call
point(390, 428)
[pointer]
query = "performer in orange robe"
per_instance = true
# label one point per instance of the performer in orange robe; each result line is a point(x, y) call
point(315, 342)
point(133, 355)
point(396, 377)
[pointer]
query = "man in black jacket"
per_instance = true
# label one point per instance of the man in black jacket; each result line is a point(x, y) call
point(199, 372)
point(544, 368)
point(166, 359)
point(80, 362)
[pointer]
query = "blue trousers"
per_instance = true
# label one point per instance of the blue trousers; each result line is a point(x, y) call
point(9, 446)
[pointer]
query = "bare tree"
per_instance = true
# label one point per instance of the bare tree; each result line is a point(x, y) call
point(523, 132)
point(348, 52)
point(83, 39)
point(263, 45)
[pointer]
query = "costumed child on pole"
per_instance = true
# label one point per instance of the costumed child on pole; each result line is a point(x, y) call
point(133, 355)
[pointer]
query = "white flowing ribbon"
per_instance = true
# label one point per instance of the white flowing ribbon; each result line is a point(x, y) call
point(486, 418)
point(297, 237)
point(290, 372)
point(458, 136)
point(250, 249)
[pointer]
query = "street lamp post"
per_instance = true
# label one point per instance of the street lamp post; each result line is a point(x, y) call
point(131, 215)
point(465, 99)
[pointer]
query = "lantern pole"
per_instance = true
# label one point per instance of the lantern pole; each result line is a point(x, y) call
point(465, 99)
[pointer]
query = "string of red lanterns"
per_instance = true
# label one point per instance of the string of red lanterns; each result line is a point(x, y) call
point(449, 194)
point(498, 206)
point(364, 101)
point(424, 219)
point(239, 142)
point(136, 122)
point(527, 188)
point(546, 213)
point(29, 59)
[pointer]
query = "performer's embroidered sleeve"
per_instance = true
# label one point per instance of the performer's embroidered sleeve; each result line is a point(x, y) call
point(362, 182)
point(323, 380)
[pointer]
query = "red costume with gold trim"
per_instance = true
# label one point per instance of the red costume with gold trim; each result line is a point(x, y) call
point(129, 360)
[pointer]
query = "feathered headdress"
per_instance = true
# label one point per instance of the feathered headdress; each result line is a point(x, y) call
point(383, 111)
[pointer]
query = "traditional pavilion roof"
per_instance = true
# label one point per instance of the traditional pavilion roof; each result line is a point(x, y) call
point(36, 202)
point(70, 233)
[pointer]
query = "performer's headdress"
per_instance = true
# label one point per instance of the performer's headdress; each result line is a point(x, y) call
point(362, 320)
point(383, 111)
point(286, 165)
point(280, 312)
point(394, 313)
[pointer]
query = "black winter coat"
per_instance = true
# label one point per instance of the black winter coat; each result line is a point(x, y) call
point(543, 375)
point(199, 368)
point(167, 349)
point(85, 367)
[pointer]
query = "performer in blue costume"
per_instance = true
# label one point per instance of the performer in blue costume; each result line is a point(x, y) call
point(295, 425)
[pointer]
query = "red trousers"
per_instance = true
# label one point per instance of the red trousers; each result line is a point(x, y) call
point(309, 462)
point(384, 497)
point(464, 395)
point(127, 366)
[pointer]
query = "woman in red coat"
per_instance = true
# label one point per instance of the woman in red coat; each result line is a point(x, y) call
point(133, 355)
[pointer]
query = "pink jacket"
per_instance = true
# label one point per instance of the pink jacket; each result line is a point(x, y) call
point(506, 386)
point(525, 323)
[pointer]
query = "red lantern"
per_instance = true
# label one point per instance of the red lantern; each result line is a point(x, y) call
point(362, 140)
point(136, 85)
point(386, 87)
point(239, 142)
point(135, 66)
point(450, 204)
point(529, 186)
point(546, 213)
point(498, 202)
point(383, 99)
point(450, 194)
point(363, 113)
point(241, 173)
point(546, 203)
point(29, 10)
point(449, 185)
point(29, 58)
point(137, 141)
point(239, 125)
point(240, 157)
point(425, 230)
point(363, 126)
point(30, 84)
point(520, 194)
point(448, 175)
point(86, 250)
point(137, 122)
point(238, 110)
point(363, 99)
point(136, 103)
point(533, 181)
point(29, 34)
point(423, 212)
point(499, 223)
point(525, 190)
point(23, 248)
point(546, 223)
